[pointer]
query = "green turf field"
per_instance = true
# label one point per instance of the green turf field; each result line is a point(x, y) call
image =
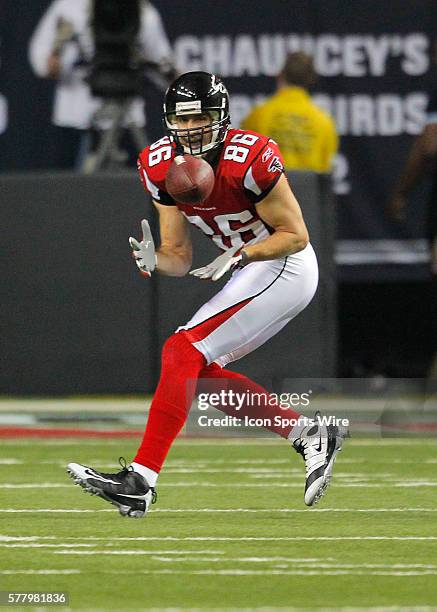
point(230, 528)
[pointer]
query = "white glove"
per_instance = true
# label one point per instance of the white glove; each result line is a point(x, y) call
point(221, 264)
point(144, 251)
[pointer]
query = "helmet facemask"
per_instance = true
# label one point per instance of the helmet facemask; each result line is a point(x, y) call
point(198, 140)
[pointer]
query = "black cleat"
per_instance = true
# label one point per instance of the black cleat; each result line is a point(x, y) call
point(127, 490)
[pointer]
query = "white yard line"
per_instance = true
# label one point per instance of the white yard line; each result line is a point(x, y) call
point(283, 572)
point(205, 462)
point(223, 538)
point(111, 552)
point(285, 562)
point(290, 484)
point(263, 539)
point(309, 562)
point(247, 442)
point(70, 441)
point(186, 463)
point(239, 572)
point(77, 545)
point(38, 572)
point(32, 485)
point(42, 545)
point(415, 484)
point(295, 510)
point(50, 510)
point(127, 553)
point(288, 538)
point(252, 472)
point(297, 485)
point(232, 510)
point(308, 565)
point(394, 608)
point(235, 572)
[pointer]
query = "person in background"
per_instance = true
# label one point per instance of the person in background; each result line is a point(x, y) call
point(421, 162)
point(62, 46)
point(305, 133)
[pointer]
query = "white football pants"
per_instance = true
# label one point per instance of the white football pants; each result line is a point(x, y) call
point(254, 305)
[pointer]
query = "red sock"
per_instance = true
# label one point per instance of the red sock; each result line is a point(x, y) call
point(180, 367)
point(268, 408)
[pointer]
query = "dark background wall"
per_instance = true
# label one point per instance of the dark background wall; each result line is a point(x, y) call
point(387, 329)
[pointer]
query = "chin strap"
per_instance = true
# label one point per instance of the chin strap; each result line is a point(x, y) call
point(179, 149)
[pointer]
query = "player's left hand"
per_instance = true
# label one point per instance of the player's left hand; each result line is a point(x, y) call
point(144, 251)
point(221, 264)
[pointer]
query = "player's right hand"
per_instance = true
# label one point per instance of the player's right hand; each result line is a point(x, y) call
point(144, 252)
point(228, 260)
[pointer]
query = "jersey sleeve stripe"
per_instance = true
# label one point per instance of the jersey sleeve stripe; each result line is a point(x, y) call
point(250, 183)
point(269, 188)
point(256, 196)
point(150, 186)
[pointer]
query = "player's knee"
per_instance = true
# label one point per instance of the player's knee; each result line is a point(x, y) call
point(177, 350)
point(174, 342)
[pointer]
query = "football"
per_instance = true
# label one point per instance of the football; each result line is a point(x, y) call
point(189, 180)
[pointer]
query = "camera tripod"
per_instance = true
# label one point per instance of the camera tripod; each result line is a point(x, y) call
point(107, 154)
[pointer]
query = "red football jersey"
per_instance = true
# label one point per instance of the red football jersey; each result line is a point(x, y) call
point(249, 166)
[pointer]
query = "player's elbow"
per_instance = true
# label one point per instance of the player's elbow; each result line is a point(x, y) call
point(300, 240)
point(302, 244)
point(185, 262)
point(185, 268)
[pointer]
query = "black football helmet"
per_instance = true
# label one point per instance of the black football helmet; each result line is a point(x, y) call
point(195, 93)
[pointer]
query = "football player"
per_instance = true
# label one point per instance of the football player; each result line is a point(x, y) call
point(255, 220)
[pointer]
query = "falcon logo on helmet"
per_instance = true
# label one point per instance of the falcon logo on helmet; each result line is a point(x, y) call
point(197, 93)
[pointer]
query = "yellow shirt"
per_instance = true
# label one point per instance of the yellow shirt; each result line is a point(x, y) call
point(306, 134)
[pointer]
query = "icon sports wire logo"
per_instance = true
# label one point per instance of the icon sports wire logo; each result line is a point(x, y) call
point(277, 422)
